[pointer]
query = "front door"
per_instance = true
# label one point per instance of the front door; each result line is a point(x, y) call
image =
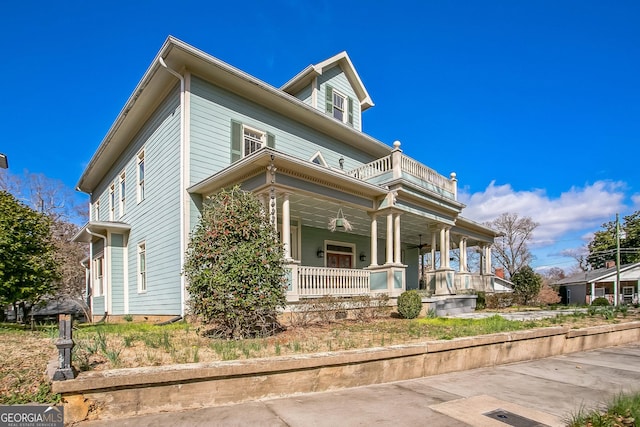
point(335, 260)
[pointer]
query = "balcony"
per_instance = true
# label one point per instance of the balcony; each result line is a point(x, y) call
point(398, 166)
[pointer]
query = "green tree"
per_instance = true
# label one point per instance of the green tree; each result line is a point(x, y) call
point(603, 246)
point(526, 284)
point(234, 267)
point(28, 270)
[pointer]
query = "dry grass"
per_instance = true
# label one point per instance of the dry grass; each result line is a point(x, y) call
point(100, 347)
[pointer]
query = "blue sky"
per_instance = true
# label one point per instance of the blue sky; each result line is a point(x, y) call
point(534, 104)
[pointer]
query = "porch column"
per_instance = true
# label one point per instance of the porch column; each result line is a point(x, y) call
point(389, 238)
point(374, 240)
point(273, 209)
point(593, 292)
point(447, 242)
point(443, 257)
point(463, 254)
point(286, 226)
point(396, 239)
point(487, 259)
point(434, 242)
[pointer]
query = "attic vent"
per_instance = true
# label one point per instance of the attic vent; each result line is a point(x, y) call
point(319, 160)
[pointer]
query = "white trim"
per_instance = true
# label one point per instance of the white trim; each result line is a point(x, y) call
point(338, 243)
point(140, 184)
point(262, 140)
point(108, 289)
point(142, 248)
point(185, 180)
point(96, 210)
point(314, 92)
point(318, 155)
point(125, 272)
point(112, 201)
point(122, 199)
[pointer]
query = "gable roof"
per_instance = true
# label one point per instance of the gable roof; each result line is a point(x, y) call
point(598, 275)
point(304, 78)
point(157, 82)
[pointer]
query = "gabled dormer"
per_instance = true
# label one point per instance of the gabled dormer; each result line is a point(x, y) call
point(334, 87)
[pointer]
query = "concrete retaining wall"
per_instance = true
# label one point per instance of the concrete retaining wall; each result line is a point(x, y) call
point(136, 391)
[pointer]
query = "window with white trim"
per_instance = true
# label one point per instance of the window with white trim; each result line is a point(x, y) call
point(112, 202)
point(599, 292)
point(98, 273)
point(253, 140)
point(123, 192)
point(140, 176)
point(339, 105)
point(142, 267)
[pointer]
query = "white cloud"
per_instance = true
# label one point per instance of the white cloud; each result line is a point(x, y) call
point(578, 209)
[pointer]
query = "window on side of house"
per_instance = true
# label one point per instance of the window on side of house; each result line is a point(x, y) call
point(339, 105)
point(253, 140)
point(123, 193)
point(142, 267)
point(98, 264)
point(140, 177)
point(246, 140)
point(112, 202)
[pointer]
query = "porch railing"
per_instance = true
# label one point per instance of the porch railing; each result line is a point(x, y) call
point(373, 169)
point(427, 174)
point(319, 281)
point(407, 165)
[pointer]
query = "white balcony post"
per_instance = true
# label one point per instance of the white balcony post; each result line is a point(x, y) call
point(286, 226)
point(389, 258)
point(396, 239)
point(454, 185)
point(396, 160)
point(374, 240)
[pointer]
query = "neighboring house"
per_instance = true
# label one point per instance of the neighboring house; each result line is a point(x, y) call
point(583, 287)
point(195, 125)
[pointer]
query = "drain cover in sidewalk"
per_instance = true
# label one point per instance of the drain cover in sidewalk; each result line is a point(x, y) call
point(512, 419)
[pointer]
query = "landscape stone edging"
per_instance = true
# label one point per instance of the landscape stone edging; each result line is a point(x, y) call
point(150, 375)
point(138, 391)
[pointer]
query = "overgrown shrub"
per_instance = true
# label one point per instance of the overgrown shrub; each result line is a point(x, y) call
point(548, 296)
point(235, 268)
point(409, 304)
point(500, 300)
point(600, 301)
point(481, 302)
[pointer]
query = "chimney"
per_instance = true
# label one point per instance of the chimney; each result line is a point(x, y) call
point(499, 272)
point(609, 264)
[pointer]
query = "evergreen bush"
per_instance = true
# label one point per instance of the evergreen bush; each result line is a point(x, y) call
point(600, 301)
point(235, 267)
point(409, 304)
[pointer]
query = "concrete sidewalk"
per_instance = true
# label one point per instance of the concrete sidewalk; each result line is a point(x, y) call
point(536, 393)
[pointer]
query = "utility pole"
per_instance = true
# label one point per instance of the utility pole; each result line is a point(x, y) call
point(617, 285)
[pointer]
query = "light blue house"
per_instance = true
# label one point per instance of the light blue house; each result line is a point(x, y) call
point(195, 125)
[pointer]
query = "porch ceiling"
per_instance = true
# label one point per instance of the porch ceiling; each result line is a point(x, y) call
point(314, 211)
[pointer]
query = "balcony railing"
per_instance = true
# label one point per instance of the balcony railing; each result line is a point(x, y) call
point(408, 166)
point(319, 281)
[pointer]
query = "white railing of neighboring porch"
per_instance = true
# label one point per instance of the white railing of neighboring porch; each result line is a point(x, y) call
point(320, 281)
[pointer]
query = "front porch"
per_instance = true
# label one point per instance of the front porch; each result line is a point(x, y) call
point(404, 225)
